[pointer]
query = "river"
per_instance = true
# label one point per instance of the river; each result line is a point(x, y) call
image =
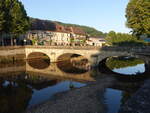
point(25, 84)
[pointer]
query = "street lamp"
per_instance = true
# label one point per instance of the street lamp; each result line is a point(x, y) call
point(25, 41)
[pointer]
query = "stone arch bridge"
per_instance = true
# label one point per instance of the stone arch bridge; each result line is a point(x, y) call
point(93, 54)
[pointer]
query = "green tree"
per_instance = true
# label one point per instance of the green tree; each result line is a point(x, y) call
point(122, 39)
point(1, 16)
point(13, 18)
point(138, 17)
point(111, 37)
point(20, 21)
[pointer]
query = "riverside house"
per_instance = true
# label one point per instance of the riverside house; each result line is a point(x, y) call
point(78, 36)
point(40, 37)
point(61, 36)
point(95, 41)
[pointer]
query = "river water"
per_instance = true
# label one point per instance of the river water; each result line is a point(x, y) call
point(25, 84)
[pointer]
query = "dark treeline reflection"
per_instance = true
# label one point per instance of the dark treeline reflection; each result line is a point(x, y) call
point(18, 92)
point(14, 96)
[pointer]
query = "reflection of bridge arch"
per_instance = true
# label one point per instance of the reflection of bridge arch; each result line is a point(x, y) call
point(68, 56)
point(103, 68)
point(56, 72)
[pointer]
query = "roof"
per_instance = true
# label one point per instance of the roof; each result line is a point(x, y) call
point(62, 29)
point(38, 24)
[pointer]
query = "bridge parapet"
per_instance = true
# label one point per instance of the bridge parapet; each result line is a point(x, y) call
point(66, 47)
point(92, 53)
point(127, 49)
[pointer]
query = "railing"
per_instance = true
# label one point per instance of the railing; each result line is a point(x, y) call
point(128, 49)
point(65, 47)
point(11, 47)
point(50, 47)
point(105, 48)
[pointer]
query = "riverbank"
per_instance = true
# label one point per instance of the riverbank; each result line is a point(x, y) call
point(89, 99)
point(140, 102)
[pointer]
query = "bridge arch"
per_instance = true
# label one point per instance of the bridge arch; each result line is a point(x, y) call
point(38, 60)
point(67, 56)
point(139, 76)
point(72, 62)
point(106, 54)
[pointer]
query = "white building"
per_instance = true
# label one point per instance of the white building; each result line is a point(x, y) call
point(95, 41)
point(49, 37)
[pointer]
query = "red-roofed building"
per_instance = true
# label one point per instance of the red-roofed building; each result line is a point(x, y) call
point(61, 36)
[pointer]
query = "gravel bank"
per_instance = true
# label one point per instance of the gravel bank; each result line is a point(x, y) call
point(88, 99)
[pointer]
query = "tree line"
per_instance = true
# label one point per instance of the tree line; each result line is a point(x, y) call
point(138, 19)
point(123, 39)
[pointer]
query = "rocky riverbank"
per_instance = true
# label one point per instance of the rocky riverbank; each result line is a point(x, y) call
point(140, 102)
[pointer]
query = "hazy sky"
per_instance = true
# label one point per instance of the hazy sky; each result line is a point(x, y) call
point(104, 15)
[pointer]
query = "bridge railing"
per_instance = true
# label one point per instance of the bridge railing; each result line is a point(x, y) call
point(11, 47)
point(49, 47)
point(128, 49)
point(105, 48)
point(65, 47)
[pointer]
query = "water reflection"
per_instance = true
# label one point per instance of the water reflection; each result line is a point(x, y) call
point(133, 70)
point(14, 96)
point(114, 102)
point(119, 93)
point(22, 86)
point(22, 91)
point(39, 63)
point(49, 92)
point(126, 65)
point(73, 63)
point(38, 60)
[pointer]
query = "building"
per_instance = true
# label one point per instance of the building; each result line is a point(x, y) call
point(40, 37)
point(61, 36)
point(95, 41)
point(78, 36)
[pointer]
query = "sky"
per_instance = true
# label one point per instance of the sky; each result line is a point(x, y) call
point(104, 15)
